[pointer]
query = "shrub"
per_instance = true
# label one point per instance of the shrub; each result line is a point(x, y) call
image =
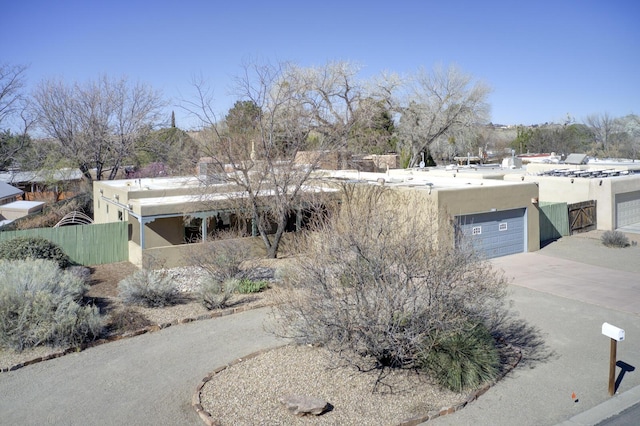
point(150, 288)
point(40, 305)
point(221, 260)
point(615, 239)
point(216, 294)
point(378, 282)
point(21, 248)
point(127, 319)
point(246, 286)
point(463, 359)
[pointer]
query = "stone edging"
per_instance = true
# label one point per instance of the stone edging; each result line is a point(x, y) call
point(149, 329)
point(196, 402)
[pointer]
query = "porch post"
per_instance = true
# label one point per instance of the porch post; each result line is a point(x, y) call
point(203, 229)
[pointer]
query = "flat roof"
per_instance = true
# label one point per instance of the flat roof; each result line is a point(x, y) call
point(153, 183)
point(419, 179)
point(22, 205)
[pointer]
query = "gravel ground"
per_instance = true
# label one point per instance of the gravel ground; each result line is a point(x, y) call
point(249, 392)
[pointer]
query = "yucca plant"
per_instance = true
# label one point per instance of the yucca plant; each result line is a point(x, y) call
point(462, 359)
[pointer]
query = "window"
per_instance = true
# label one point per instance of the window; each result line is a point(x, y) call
point(477, 230)
point(502, 226)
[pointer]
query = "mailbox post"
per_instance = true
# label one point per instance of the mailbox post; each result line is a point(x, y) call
point(617, 335)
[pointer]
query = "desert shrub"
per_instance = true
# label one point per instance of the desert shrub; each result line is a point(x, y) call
point(246, 286)
point(463, 359)
point(150, 288)
point(21, 248)
point(222, 260)
point(379, 281)
point(127, 319)
point(40, 304)
point(216, 294)
point(615, 239)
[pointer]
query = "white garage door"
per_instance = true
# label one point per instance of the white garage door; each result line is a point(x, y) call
point(627, 209)
point(495, 234)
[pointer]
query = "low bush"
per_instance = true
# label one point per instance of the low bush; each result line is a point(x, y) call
point(126, 319)
point(216, 294)
point(40, 304)
point(150, 288)
point(21, 248)
point(615, 239)
point(246, 286)
point(461, 360)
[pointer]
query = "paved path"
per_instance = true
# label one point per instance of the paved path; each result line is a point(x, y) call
point(146, 380)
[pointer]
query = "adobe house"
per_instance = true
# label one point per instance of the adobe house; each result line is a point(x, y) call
point(167, 215)
point(500, 217)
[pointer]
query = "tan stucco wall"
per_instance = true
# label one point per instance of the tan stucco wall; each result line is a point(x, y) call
point(172, 256)
point(577, 190)
point(483, 199)
point(164, 232)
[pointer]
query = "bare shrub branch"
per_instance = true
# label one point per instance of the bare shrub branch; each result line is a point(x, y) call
point(380, 283)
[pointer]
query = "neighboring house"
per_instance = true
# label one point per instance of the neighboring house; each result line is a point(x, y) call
point(11, 205)
point(614, 189)
point(9, 193)
point(51, 185)
point(165, 214)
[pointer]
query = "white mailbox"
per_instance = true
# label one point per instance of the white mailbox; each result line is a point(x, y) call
point(612, 331)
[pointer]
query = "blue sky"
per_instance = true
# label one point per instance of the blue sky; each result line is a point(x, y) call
point(543, 59)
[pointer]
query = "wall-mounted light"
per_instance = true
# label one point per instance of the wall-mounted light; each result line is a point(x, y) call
point(534, 200)
point(101, 191)
point(600, 184)
point(129, 206)
point(117, 197)
point(521, 177)
point(571, 180)
point(430, 185)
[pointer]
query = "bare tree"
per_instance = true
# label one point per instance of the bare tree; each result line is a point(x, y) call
point(12, 79)
point(13, 113)
point(445, 104)
point(99, 123)
point(378, 285)
point(296, 109)
point(603, 127)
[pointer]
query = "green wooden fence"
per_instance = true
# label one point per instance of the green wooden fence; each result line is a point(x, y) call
point(85, 244)
point(554, 221)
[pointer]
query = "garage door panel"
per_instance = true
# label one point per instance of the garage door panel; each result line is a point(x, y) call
point(627, 209)
point(495, 233)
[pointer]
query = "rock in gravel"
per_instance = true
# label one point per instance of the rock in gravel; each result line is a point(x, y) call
point(301, 405)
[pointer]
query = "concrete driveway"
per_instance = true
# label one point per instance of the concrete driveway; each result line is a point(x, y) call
point(567, 300)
